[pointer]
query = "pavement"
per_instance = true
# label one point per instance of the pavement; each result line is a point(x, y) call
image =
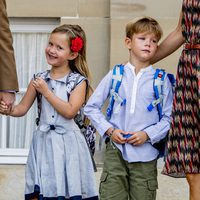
point(12, 183)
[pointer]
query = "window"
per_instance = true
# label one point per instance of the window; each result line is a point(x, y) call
point(29, 41)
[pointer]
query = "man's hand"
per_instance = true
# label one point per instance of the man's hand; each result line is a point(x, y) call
point(8, 98)
point(4, 109)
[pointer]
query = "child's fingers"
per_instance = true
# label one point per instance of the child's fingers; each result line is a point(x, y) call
point(118, 138)
point(3, 111)
point(9, 110)
point(3, 107)
point(121, 138)
point(135, 140)
point(2, 103)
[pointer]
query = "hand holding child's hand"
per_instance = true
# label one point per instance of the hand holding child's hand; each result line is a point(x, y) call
point(4, 108)
point(138, 138)
point(40, 85)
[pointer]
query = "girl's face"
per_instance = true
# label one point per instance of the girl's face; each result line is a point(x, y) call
point(58, 51)
point(143, 46)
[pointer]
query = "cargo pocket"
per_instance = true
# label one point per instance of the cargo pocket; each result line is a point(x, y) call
point(152, 187)
point(102, 186)
point(152, 184)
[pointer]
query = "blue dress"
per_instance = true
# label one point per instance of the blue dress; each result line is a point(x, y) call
point(59, 165)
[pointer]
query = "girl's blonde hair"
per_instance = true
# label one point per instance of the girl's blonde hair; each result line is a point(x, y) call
point(79, 64)
point(145, 24)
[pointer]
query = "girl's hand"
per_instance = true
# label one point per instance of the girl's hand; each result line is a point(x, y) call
point(4, 108)
point(40, 85)
point(138, 138)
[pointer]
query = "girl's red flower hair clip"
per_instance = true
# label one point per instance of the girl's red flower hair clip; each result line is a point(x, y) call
point(76, 44)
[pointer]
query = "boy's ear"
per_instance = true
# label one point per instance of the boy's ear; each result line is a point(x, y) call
point(128, 43)
point(73, 55)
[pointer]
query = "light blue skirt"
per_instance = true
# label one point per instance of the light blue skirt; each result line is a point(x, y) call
point(59, 166)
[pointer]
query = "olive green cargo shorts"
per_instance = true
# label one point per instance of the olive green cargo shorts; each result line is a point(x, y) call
point(121, 180)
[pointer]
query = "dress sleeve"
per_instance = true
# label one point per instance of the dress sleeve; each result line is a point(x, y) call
point(81, 79)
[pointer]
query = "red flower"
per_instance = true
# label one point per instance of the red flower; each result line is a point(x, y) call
point(77, 44)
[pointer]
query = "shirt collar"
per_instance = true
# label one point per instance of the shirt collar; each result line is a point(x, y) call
point(145, 69)
point(63, 79)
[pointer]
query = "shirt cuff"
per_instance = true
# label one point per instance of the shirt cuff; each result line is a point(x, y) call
point(12, 91)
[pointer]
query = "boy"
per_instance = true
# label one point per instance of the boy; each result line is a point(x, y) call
point(130, 167)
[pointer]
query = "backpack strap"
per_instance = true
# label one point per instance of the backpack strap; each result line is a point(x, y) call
point(117, 75)
point(172, 81)
point(158, 83)
point(39, 96)
point(71, 82)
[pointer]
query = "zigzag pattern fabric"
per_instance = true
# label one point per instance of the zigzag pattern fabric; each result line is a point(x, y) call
point(184, 137)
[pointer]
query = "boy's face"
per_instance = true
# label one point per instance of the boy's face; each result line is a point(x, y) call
point(142, 46)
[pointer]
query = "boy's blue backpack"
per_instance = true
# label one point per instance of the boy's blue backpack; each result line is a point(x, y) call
point(117, 75)
point(159, 77)
point(158, 83)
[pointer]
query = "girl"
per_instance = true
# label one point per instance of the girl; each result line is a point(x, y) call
point(59, 165)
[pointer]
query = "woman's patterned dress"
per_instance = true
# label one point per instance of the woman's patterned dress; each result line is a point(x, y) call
point(183, 145)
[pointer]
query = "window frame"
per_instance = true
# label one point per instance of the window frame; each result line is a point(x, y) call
point(23, 25)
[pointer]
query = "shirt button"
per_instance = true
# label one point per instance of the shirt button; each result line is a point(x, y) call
point(52, 116)
point(52, 88)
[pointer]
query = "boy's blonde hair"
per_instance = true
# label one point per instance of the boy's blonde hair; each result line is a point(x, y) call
point(145, 24)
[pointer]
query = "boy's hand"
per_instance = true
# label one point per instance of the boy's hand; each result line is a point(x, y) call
point(138, 138)
point(4, 108)
point(40, 85)
point(117, 136)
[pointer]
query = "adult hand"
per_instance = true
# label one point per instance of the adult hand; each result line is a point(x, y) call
point(4, 109)
point(8, 98)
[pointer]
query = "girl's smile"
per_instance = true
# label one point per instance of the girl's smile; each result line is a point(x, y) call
point(57, 50)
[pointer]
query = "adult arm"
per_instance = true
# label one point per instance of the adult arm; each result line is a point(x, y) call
point(170, 44)
point(8, 75)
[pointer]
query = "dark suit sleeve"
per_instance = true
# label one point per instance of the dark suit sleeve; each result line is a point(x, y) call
point(8, 74)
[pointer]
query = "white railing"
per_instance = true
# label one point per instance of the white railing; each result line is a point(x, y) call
point(11, 155)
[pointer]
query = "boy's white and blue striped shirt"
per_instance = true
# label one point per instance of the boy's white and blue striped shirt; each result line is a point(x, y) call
point(134, 115)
